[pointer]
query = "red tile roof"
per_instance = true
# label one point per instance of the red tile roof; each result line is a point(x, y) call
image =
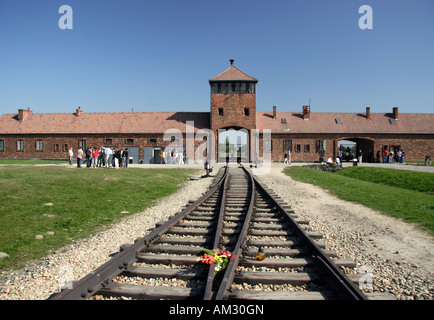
point(128, 122)
point(159, 122)
point(233, 74)
point(416, 123)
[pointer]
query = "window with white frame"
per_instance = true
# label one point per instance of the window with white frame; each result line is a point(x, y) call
point(20, 145)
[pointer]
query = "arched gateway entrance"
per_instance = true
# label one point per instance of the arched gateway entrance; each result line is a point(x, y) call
point(353, 145)
point(233, 145)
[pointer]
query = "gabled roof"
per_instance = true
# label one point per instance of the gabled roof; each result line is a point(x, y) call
point(233, 74)
point(102, 123)
point(346, 123)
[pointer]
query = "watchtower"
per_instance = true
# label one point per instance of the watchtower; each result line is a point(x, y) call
point(233, 106)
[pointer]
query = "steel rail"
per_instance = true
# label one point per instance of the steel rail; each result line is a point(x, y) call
point(346, 289)
point(228, 278)
point(216, 243)
point(102, 276)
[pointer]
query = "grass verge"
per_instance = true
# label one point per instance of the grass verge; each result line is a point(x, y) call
point(378, 190)
point(84, 201)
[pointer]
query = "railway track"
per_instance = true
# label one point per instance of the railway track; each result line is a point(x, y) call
point(237, 214)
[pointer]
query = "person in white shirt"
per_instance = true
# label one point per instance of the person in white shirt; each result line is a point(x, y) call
point(71, 155)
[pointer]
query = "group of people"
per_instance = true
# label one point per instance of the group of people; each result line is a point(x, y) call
point(101, 157)
point(391, 156)
point(287, 157)
point(172, 157)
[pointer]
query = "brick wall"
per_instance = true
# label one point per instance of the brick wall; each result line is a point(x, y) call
point(56, 146)
point(415, 146)
point(233, 106)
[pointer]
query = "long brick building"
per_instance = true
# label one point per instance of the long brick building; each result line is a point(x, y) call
point(307, 134)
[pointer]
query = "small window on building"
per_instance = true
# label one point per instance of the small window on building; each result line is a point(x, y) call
point(39, 145)
point(288, 145)
point(56, 147)
point(130, 141)
point(65, 147)
point(152, 140)
point(283, 120)
point(307, 148)
point(108, 141)
point(220, 111)
point(82, 144)
point(2, 145)
point(20, 145)
point(298, 148)
point(246, 111)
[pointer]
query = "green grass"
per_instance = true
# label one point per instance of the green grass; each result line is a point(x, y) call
point(411, 180)
point(384, 190)
point(84, 201)
point(32, 162)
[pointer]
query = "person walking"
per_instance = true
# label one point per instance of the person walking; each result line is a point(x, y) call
point(79, 157)
point(71, 155)
point(359, 156)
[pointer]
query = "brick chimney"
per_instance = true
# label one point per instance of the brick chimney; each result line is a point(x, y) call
point(306, 112)
point(395, 113)
point(22, 114)
point(274, 112)
point(368, 113)
point(78, 111)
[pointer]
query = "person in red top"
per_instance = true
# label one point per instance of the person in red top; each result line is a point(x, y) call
point(95, 157)
point(385, 155)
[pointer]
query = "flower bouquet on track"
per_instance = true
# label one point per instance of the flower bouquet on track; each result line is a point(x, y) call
point(219, 257)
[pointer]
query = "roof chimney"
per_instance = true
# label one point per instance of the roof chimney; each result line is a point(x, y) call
point(232, 61)
point(395, 113)
point(78, 111)
point(368, 113)
point(22, 114)
point(306, 112)
point(274, 112)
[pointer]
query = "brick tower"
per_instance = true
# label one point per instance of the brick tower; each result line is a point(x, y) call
point(233, 100)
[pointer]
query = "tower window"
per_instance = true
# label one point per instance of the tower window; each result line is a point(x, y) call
point(220, 111)
point(243, 87)
point(237, 87)
point(223, 87)
point(251, 88)
point(246, 111)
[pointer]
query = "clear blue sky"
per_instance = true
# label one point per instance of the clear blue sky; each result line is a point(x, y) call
point(159, 55)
